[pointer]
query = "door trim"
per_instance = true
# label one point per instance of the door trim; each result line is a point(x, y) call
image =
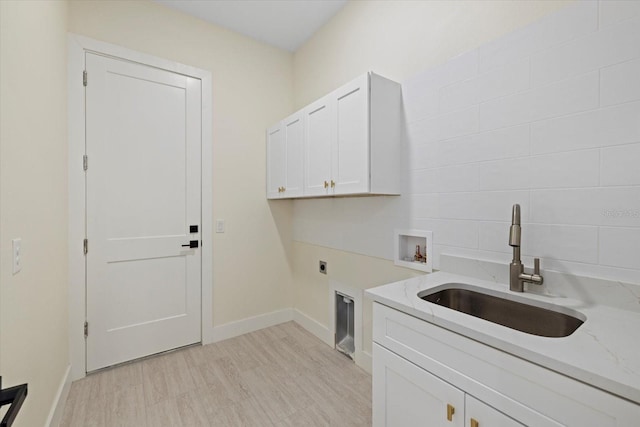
point(77, 46)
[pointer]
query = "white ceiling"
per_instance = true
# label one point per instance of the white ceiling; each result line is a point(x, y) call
point(286, 24)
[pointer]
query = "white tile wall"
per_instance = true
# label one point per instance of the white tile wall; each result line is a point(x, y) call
point(456, 123)
point(458, 233)
point(567, 243)
point(621, 165)
point(503, 143)
point(565, 97)
point(512, 174)
point(620, 83)
point(493, 236)
point(568, 169)
point(610, 45)
point(619, 247)
point(457, 178)
point(613, 11)
point(593, 206)
point(548, 117)
point(512, 78)
point(459, 95)
point(597, 128)
point(565, 25)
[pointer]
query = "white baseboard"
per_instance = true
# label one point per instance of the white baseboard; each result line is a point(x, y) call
point(244, 326)
point(365, 361)
point(313, 326)
point(59, 402)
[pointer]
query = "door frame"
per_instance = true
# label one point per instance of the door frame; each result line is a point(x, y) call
point(77, 46)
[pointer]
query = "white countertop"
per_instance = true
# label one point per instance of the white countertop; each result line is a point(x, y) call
point(603, 352)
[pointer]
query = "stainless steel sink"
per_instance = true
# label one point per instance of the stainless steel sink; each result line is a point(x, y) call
point(516, 315)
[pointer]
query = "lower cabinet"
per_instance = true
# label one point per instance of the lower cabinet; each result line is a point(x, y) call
point(407, 395)
point(426, 375)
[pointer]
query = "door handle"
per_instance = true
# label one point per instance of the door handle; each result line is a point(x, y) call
point(192, 244)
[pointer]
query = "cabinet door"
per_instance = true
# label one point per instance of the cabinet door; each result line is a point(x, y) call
point(406, 395)
point(276, 161)
point(350, 159)
point(478, 414)
point(294, 140)
point(319, 137)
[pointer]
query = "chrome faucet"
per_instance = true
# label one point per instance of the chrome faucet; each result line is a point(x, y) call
point(517, 276)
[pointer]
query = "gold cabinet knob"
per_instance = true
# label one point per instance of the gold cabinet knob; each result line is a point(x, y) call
point(326, 184)
point(284, 189)
point(474, 423)
point(333, 184)
point(450, 411)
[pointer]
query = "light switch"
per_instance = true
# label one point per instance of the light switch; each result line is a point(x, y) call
point(17, 255)
point(219, 225)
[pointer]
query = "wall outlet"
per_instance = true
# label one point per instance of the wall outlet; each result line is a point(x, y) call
point(219, 225)
point(17, 255)
point(323, 267)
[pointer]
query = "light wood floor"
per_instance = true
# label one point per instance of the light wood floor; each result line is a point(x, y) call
point(279, 376)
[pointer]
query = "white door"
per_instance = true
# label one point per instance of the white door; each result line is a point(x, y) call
point(351, 152)
point(276, 162)
point(143, 142)
point(318, 139)
point(294, 137)
point(407, 395)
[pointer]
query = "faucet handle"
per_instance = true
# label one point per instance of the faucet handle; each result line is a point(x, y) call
point(536, 266)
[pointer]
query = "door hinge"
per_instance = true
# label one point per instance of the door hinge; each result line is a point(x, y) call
point(84, 78)
point(85, 162)
point(86, 329)
point(85, 246)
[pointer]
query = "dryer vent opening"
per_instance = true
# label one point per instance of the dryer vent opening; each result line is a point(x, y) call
point(344, 333)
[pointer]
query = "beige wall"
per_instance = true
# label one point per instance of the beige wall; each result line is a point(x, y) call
point(400, 38)
point(252, 88)
point(396, 39)
point(33, 201)
point(348, 268)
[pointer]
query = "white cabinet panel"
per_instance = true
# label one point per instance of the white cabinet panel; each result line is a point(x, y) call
point(294, 142)
point(285, 146)
point(406, 395)
point(319, 139)
point(276, 159)
point(350, 158)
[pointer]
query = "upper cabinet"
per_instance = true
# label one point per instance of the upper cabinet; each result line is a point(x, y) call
point(285, 158)
point(350, 140)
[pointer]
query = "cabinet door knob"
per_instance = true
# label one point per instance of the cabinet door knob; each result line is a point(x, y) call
point(474, 423)
point(333, 184)
point(284, 189)
point(326, 184)
point(450, 411)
